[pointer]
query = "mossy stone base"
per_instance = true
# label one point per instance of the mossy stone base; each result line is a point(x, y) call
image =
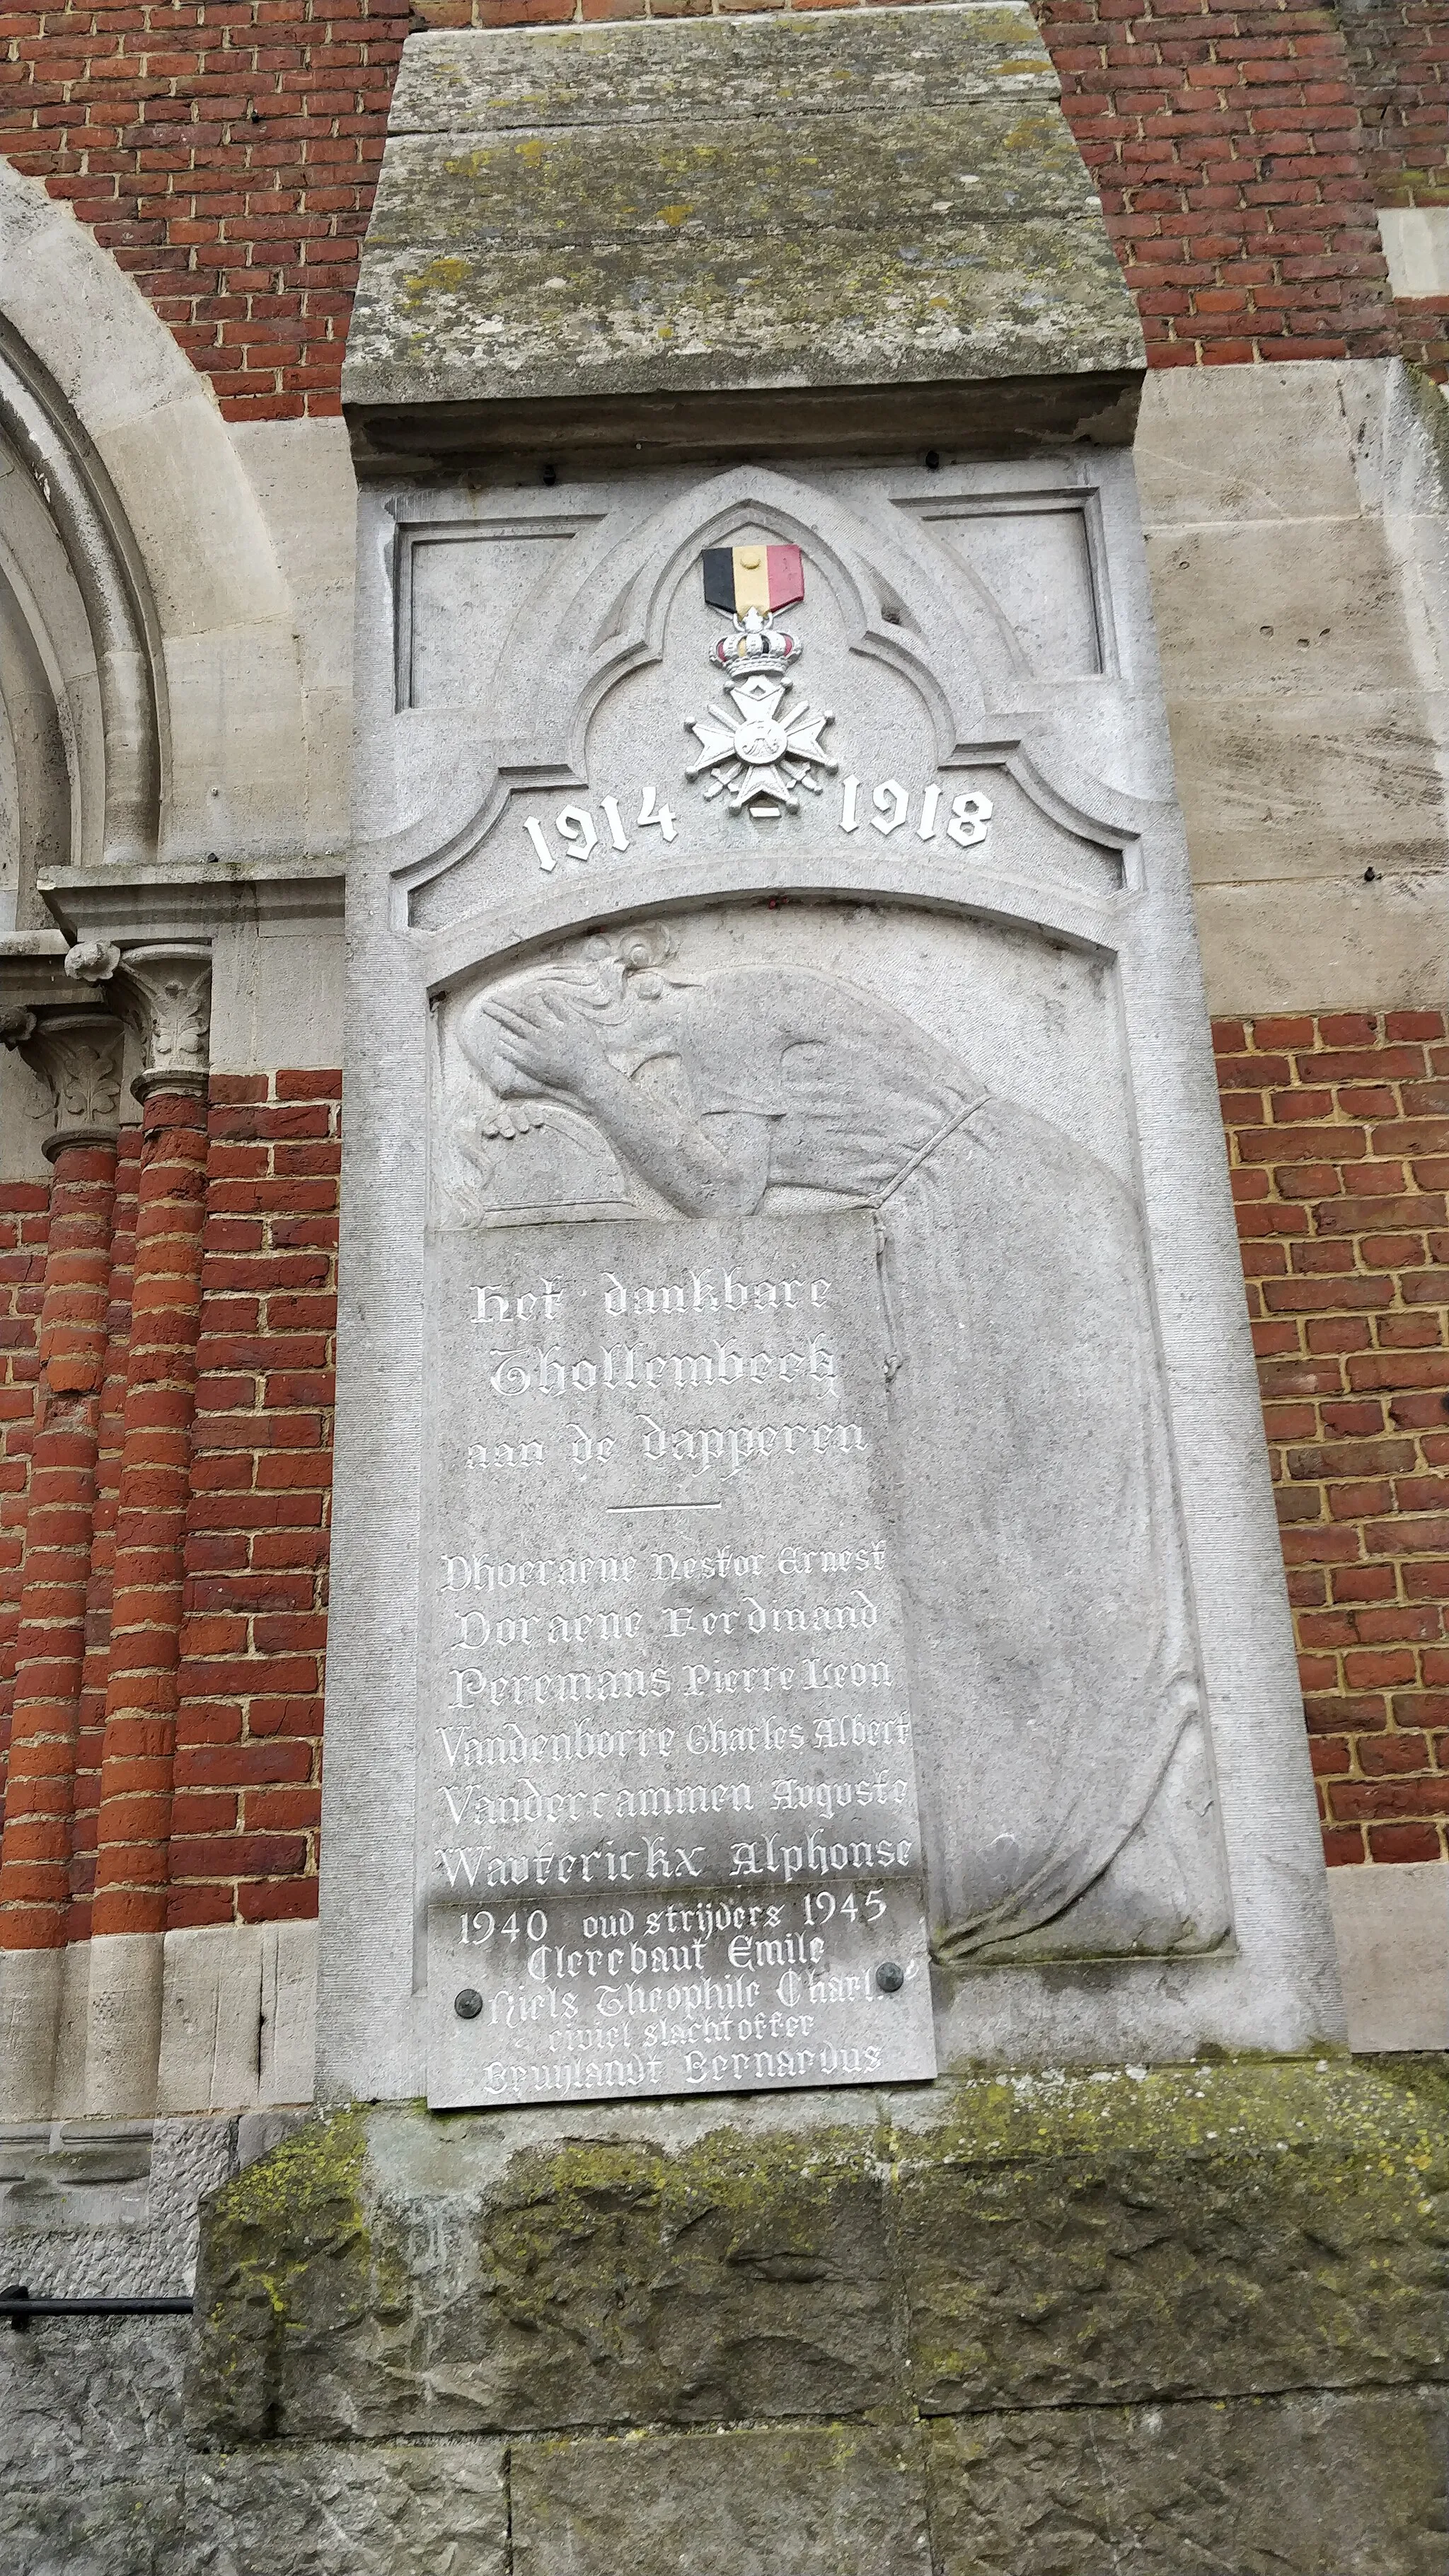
point(1046, 2325)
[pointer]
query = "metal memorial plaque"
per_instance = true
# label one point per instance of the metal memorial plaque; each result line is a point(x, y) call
point(670, 1834)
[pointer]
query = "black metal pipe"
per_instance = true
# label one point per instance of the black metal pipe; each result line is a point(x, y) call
point(17, 2304)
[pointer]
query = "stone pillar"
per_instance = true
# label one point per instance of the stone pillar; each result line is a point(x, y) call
point(78, 1053)
point(169, 993)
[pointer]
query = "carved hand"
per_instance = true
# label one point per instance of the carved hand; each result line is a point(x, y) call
point(517, 1120)
point(542, 1046)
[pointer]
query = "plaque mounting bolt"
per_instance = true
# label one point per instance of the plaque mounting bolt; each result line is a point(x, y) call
point(890, 1976)
point(467, 2003)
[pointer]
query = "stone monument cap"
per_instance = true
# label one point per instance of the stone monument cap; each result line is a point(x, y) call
point(627, 236)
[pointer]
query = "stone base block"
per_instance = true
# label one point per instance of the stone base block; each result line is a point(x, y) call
point(1289, 2486)
point(307, 2509)
point(1028, 2241)
point(314, 2509)
point(816, 2500)
point(32, 1984)
point(1392, 1931)
point(238, 2022)
point(116, 2529)
point(123, 2035)
point(1182, 2323)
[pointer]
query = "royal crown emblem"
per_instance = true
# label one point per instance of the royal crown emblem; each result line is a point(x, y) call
point(766, 752)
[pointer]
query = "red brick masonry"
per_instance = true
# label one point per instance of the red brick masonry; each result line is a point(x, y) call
point(50, 1644)
point(24, 1227)
point(148, 1566)
point(1399, 50)
point(226, 152)
point(1338, 1129)
point(1231, 158)
point(212, 1537)
point(1338, 1134)
point(249, 1741)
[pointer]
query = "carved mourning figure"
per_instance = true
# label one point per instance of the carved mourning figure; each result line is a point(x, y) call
point(1052, 1671)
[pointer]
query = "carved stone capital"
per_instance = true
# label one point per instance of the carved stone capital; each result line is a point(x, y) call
point(169, 989)
point(78, 1057)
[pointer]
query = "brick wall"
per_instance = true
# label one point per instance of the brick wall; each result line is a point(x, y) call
point(249, 1742)
point(1229, 151)
point(226, 151)
point(24, 1214)
point(1338, 1130)
point(245, 1809)
point(1338, 1136)
point(1399, 61)
point(1399, 55)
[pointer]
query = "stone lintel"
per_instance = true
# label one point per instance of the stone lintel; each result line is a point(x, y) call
point(127, 904)
point(1013, 416)
point(32, 969)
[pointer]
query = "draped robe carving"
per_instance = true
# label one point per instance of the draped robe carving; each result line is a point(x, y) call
point(1028, 1477)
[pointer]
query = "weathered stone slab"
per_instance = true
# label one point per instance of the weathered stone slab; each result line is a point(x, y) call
point(822, 2500)
point(667, 1808)
point(353, 2509)
point(284, 2275)
point(1293, 2486)
point(1195, 2233)
point(112, 2527)
point(676, 927)
point(897, 1429)
point(92, 2459)
point(940, 58)
point(730, 205)
point(467, 193)
point(594, 2282)
point(107, 2392)
point(1177, 2235)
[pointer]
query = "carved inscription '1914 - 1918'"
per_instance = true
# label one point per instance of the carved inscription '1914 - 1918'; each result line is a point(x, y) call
point(673, 1844)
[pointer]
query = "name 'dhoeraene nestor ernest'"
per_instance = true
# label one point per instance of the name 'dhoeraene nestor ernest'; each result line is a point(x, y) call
point(762, 756)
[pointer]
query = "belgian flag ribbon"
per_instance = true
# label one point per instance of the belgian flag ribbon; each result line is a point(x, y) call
point(741, 577)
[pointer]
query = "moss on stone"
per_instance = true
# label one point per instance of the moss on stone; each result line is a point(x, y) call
point(1243, 2106)
point(289, 2227)
point(313, 2169)
point(725, 2170)
point(620, 213)
point(993, 2240)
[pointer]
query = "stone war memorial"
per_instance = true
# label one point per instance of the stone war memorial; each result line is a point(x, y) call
point(835, 1605)
point(830, 2050)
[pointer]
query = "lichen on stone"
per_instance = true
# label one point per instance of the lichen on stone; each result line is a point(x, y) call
point(1045, 2238)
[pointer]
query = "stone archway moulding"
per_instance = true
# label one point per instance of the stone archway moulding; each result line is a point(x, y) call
point(193, 622)
point(103, 556)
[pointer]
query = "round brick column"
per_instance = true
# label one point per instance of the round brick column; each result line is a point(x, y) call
point(128, 1914)
point(79, 1054)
